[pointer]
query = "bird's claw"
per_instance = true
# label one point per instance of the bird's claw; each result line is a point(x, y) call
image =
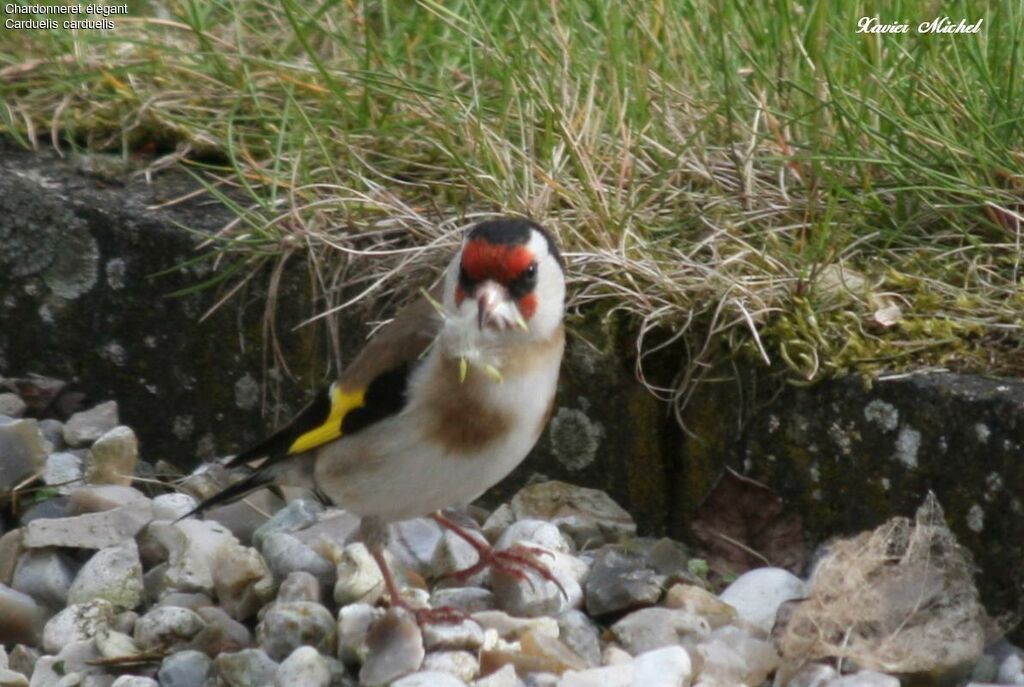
point(512, 562)
point(444, 615)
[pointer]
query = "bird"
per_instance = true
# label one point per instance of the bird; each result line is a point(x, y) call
point(441, 404)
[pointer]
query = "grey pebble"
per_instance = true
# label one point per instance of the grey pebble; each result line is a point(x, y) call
point(589, 516)
point(535, 595)
point(91, 530)
point(83, 428)
point(299, 586)
point(454, 554)
point(581, 634)
point(246, 668)
point(167, 626)
point(221, 634)
point(286, 554)
point(11, 405)
point(413, 543)
point(304, 667)
point(23, 659)
point(654, 628)
point(187, 668)
point(63, 470)
point(395, 648)
point(297, 515)
point(45, 575)
point(53, 431)
point(54, 507)
point(620, 580)
point(193, 601)
point(24, 452)
point(287, 626)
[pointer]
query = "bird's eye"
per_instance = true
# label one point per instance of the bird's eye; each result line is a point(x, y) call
point(525, 282)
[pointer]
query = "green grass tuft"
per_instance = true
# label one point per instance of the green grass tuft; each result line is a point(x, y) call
point(751, 180)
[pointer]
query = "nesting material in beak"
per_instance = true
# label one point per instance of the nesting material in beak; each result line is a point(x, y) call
point(495, 307)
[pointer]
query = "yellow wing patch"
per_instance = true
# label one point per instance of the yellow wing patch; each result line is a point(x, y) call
point(341, 403)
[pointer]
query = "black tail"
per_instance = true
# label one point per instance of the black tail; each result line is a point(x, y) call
point(275, 449)
point(254, 481)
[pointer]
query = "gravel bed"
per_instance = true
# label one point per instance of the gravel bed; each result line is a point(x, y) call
point(101, 584)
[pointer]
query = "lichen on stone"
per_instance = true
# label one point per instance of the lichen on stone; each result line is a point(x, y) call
point(74, 268)
point(883, 414)
point(183, 426)
point(115, 270)
point(993, 483)
point(841, 438)
point(29, 231)
point(574, 438)
point(976, 518)
point(982, 432)
point(247, 392)
point(115, 353)
point(907, 445)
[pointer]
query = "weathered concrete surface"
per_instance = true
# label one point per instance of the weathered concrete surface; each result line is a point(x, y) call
point(847, 456)
point(83, 298)
point(78, 301)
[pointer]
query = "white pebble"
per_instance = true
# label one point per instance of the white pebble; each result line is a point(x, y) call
point(429, 679)
point(666, 667)
point(1011, 670)
point(172, 506)
point(134, 681)
point(462, 664)
point(305, 667)
point(865, 678)
point(354, 622)
point(113, 574)
point(757, 595)
point(359, 578)
point(654, 628)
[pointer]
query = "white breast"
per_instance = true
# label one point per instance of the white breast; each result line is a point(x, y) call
point(393, 471)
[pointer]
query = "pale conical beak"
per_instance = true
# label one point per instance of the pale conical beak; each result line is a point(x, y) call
point(495, 307)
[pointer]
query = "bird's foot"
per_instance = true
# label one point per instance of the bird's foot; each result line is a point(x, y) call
point(444, 615)
point(515, 561)
point(424, 616)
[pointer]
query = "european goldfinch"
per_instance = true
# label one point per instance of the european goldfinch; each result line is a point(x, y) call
point(442, 403)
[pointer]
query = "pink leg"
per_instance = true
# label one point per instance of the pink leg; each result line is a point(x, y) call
point(511, 561)
point(423, 616)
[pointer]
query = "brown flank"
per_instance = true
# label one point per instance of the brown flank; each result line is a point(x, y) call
point(451, 401)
